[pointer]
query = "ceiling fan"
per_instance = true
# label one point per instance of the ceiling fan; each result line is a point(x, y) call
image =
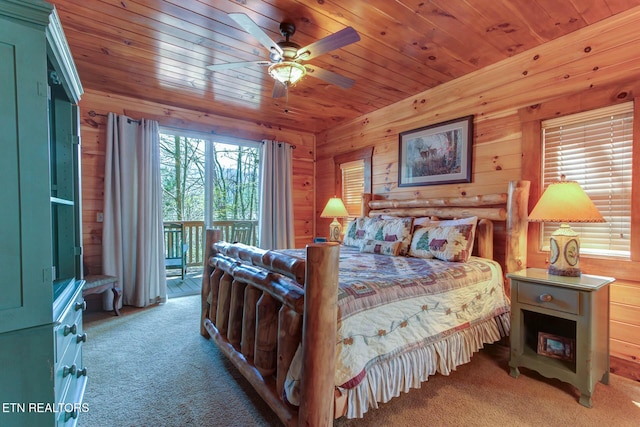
point(286, 58)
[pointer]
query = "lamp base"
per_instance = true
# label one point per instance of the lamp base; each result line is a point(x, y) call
point(335, 231)
point(565, 252)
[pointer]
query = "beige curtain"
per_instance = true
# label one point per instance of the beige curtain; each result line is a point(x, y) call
point(276, 200)
point(132, 239)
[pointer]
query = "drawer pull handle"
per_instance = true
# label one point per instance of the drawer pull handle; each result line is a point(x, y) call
point(70, 329)
point(546, 298)
point(72, 414)
point(81, 372)
point(69, 370)
point(81, 338)
point(81, 305)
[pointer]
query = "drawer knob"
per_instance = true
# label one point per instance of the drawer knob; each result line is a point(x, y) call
point(81, 338)
point(68, 370)
point(81, 372)
point(546, 298)
point(70, 414)
point(81, 305)
point(70, 329)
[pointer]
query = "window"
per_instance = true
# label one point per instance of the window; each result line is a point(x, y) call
point(594, 148)
point(353, 186)
point(353, 177)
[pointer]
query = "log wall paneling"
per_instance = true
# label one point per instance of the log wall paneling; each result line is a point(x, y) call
point(589, 68)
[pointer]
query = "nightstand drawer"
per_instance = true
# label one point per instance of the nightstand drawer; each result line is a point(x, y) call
point(551, 297)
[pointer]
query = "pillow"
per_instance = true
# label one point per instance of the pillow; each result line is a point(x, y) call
point(453, 240)
point(381, 247)
point(419, 247)
point(391, 230)
point(424, 220)
point(355, 234)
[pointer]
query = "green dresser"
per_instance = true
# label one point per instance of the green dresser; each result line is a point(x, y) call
point(42, 375)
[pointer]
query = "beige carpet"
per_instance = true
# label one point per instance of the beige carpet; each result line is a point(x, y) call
point(150, 367)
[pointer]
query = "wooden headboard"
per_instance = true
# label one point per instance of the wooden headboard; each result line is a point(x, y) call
point(508, 246)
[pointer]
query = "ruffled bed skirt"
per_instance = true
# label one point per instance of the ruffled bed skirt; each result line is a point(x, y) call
point(384, 381)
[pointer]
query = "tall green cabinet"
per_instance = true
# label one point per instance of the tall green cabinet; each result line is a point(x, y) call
point(42, 375)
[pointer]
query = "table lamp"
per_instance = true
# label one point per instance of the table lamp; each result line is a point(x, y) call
point(564, 202)
point(334, 209)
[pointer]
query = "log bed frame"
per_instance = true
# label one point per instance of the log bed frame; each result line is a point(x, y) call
point(258, 305)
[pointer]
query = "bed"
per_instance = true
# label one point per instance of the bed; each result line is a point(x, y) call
point(333, 330)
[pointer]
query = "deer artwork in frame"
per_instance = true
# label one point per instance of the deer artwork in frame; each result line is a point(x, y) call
point(436, 154)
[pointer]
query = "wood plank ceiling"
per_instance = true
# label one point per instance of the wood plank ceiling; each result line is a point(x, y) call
point(157, 50)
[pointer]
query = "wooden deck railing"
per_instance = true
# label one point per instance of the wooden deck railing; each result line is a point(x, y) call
point(194, 234)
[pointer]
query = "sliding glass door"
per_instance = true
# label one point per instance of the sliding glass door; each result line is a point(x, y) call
point(209, 182)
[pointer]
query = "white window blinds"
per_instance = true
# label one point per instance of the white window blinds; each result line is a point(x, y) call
point(594, 148)
point(353, 186)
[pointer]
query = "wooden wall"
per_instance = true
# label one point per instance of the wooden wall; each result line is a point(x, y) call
point(93, 132)
point(592, 67)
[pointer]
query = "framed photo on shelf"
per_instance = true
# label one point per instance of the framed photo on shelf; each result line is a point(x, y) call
point(436, 154)
point(557, 346)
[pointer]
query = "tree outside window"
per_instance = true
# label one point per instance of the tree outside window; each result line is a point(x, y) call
point(234, 179)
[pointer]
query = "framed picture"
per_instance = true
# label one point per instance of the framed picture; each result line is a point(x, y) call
point(436, 154)
point(557, 346)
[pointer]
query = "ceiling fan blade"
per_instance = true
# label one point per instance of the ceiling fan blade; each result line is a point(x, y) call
point(231, 65)
point(329, 76)
point(252, 28)
point(333, 41)
point(279, 90)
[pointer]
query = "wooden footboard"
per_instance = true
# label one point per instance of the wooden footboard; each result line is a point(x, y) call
point(259, 306)
point(255, 310)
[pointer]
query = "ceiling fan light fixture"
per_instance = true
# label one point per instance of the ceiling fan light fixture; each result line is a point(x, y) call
point(287, 72)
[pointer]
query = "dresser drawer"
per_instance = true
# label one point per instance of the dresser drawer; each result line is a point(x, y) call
point(68, 337)
point(67, 369)
point(73, 394)
point(70, 327)
point(551, 297)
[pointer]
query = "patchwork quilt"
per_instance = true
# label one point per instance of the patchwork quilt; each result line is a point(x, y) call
point(390, 305)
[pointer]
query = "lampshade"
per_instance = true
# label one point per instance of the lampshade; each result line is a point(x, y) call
point(334, 208)
point(564, 202)
point(287, 72)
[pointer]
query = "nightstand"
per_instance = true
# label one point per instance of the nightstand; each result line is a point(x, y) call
point(560, 327)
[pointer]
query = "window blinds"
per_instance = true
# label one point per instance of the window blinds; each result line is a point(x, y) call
point(353, 186)
point(594, 148)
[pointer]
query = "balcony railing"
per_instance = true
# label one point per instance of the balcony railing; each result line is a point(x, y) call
point(194, 237)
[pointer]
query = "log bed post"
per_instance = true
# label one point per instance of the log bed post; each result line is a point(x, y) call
point(247, 344)
point(234, 331)
point(266, 339)
point(516, 227)
point(210, 237)
point(289, 337)
point(224, 304)
point(319, 335)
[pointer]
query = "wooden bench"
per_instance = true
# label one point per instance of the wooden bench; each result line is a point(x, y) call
point(98, 283)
